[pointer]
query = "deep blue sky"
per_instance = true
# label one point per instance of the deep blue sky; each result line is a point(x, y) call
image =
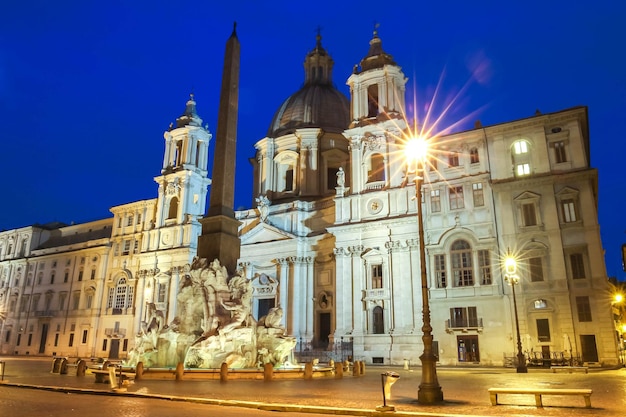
point(87, 88)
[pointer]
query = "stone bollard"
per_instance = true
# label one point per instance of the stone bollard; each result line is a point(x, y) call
point(308, 370)
point(346, 365)
point(339, 370)
point(331, 363)
point(63, 367)
point(355, 368)
point(138, 371)
point(180, 370)
point(81, 367)
point(362, 368)
point(268, 372)
point(224, 372)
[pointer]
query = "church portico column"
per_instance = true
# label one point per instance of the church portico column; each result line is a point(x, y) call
point(343, 288)
point(358, 286)
point(284, 288)
point(308, 264)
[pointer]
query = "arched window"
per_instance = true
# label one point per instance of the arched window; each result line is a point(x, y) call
point(121, 296)
point(377, 168)
point(173, 211)
point(378, 322)
point(461, 256)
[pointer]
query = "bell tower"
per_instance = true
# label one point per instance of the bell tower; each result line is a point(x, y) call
point(183, 182)
point(377, 110)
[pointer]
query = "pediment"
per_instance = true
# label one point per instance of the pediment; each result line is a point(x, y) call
point(264, 232)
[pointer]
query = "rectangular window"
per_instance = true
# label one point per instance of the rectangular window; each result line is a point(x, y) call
point(104, 345)
point(66, 277)
point(289, 179)
point(535, 266)
point(52, 278)
point(84, 340)
point(477, 193)
point(484, 264)
point(76, 301)
point(440, 271)
point(130, 220)
point(89, 301)
point(125, 345)
point(543, 330)
point(523, 169)
point(453, 159)
point(19, 339)
point(529, 214)
point(71, 340)
point(80, 275)
point(62, 301)
point(569, 211)
point(30, 339)
point(162, 292)
point(136, 248)
point(56, 340)
point(126, 249)
point(462, 317)
point(584, 308)
point(110, 297)
point(456, 198)
point(559, 152)
point(435, 201)
point(377, 276)
point(578, 265)
point(93, 274)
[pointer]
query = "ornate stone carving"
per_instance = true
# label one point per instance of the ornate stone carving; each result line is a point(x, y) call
point(263, 205)
point(214, 325)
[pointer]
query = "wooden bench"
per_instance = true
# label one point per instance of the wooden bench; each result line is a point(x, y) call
point(570, 369)
point(539, 392)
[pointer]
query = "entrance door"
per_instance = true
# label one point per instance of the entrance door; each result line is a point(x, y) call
point(588, 346)
point(114, 352)
point(324, 329)
point(44, 336)
point(264, 306)
point(467, 348)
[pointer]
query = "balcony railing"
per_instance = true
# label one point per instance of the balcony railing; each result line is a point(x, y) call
point(115, 333)
point(464, 324)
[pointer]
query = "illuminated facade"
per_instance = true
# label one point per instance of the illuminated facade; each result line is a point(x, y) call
point(333, 239)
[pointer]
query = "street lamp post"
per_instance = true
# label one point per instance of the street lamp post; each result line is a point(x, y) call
point(510, 265)
point(429, 391)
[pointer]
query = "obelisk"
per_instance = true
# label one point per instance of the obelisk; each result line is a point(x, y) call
point(220, 238)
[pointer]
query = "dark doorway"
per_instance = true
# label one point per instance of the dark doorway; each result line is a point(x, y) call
point(588, 347)
point(324, 329)
point(44, 336)
point(467, 347)
point(114, 352)
point(264, 306)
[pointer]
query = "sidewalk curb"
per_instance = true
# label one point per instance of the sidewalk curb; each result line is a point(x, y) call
point(243, 404)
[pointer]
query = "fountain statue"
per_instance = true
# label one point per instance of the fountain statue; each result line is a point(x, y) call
point(213, 325)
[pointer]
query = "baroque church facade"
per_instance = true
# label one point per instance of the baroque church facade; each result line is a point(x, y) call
point(333, 239)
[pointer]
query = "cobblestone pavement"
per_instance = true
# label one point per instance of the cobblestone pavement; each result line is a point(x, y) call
point(464, 390)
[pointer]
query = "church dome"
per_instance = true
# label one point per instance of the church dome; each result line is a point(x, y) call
point(317, 104)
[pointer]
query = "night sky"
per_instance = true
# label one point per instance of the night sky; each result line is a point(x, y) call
point(87, 88)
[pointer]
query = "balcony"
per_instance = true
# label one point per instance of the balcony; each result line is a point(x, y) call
point(377, 294)
point(115, 333)
point(464, 324)
point(45, 313)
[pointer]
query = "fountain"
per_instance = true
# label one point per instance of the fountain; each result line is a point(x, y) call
point(213, 326)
